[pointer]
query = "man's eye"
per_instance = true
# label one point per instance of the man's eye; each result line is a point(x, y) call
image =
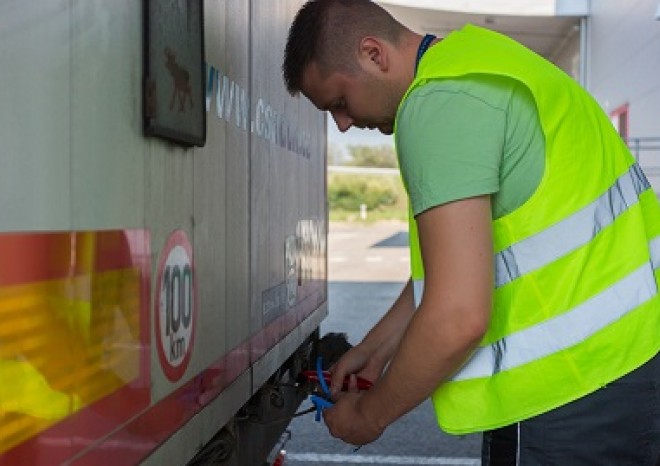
point(338, 105)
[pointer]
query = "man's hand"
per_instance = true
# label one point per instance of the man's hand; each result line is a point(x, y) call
point(358, 360)
point(348, 422)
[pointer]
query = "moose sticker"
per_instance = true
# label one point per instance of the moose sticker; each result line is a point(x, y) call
point(181, 90)
point(175, 306)
point(174, 88)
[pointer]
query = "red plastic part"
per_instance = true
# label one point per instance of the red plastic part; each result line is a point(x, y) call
point(312, 376)
point(281, 459)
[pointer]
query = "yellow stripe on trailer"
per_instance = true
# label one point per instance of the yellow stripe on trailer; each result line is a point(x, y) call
point(65, 344)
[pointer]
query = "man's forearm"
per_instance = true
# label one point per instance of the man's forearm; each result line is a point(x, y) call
point(444, 345)
point(383, 339)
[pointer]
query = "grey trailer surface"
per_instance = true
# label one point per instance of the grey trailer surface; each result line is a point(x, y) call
point(166, 199)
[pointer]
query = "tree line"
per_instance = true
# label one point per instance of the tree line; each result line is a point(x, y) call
point(382, 156)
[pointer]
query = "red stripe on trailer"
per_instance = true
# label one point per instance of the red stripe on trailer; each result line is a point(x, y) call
point(280, 327)
point(121, 428)
point(134, 441)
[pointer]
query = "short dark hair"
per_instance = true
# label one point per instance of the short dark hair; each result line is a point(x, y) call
point(328, 32)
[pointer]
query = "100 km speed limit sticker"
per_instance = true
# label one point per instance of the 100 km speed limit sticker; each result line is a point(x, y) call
point(175, 306)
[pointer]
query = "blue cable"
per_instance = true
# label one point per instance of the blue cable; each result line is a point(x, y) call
point(319, 372)
point(320, 402)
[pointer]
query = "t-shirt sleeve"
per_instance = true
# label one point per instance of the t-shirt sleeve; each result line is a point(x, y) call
point(450, 146)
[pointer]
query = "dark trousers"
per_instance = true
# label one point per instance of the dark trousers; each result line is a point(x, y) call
point(618, 425)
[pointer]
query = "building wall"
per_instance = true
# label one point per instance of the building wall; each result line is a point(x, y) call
point(567, 54)
point(624, 61)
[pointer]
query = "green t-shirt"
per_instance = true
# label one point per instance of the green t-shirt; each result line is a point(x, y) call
point(470, 136)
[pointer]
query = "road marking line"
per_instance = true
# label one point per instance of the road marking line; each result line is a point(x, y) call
point(380, 459)
point(338, 259)
point(374, 259)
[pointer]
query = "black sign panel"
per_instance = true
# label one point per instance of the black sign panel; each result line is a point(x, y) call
point(173, 99)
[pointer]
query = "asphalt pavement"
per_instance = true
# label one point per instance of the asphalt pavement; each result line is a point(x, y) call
point(368, 266)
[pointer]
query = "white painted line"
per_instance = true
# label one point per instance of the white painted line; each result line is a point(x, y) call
point(338, 259)
point(380, 459)
point(374, 259)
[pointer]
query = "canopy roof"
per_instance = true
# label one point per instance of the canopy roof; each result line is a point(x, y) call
point(542, 25)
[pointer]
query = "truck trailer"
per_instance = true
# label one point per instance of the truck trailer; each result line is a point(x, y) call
point(162, 232)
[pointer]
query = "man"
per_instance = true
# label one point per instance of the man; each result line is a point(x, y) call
point(533, 312)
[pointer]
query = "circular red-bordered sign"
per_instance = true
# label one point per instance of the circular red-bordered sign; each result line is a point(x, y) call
point(176, 305)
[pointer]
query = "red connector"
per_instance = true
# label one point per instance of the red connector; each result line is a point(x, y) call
point(312, 376)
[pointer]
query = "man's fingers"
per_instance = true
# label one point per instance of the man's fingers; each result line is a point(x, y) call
point(352, 384)
point(337, 381)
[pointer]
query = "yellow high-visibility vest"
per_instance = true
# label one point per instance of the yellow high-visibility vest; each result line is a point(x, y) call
point(575, 300)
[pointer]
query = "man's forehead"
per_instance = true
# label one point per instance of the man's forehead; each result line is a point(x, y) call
point(319, 87)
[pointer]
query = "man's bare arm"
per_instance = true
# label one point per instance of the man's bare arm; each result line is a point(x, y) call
point(456, 242)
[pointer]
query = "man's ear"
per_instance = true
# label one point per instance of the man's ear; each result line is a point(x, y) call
point(373, 52)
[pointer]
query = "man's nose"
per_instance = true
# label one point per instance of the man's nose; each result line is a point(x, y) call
point(344, 122)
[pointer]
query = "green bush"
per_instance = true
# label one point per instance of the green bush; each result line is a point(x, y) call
point(348, 191)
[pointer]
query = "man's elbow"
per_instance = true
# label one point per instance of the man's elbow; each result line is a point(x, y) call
point(472, 326)
point(464, 324)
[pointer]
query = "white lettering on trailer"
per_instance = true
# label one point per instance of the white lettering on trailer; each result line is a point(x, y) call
point(232, 100)
point(291, 257)
point(311, 247)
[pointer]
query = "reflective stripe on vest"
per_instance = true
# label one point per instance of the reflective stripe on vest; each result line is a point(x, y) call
point(569, 328)
point(571, 233)
point(566, 236)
